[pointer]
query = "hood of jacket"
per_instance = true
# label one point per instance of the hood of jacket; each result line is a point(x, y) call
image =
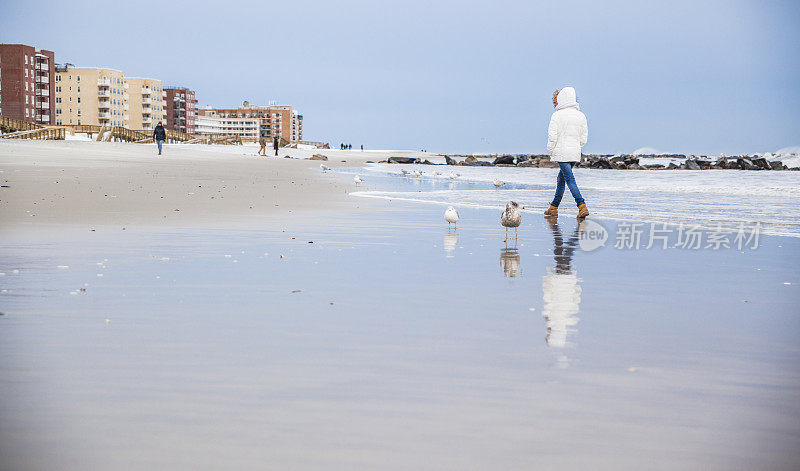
point(566, 99)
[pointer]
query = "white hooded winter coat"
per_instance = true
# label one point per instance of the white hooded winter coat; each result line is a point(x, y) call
point(568, 131)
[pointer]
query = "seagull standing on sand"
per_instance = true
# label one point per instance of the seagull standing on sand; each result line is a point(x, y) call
point(417, 173)
point(451, 216)
point(357, 179)
point(498, 183)
point(324, 167)
point(511, 217)
point(404, 171)
point(453, 175)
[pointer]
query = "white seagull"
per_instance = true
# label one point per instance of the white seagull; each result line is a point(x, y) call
point(357, 179)
point(498, 183)
point(453, 175)
point(451, 216)
point(404, 171)
point(417, 173)
point(324, 167)
point(511, 217)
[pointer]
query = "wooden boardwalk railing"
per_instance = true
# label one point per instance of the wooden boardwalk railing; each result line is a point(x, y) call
point(10, 125)
point(54, 133)
point(19, 129)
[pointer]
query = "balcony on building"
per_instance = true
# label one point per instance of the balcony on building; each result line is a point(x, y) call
point(146, 91)
point(103, 115)
point(103, 92)
point(146, 101)
point(103, 82)
point(104, 104)
point(42, 92)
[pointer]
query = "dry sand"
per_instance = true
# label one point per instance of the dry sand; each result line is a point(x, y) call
point(123, 184)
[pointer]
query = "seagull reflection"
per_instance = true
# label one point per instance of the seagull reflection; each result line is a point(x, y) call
point(562, 292)
point(509, 260)
point(450, 242)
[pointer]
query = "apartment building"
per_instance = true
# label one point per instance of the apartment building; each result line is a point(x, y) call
point(145, 106)
point(250, 121)
point(181, 109)
point(90, 96)
point(208, 122)
point(26, 83)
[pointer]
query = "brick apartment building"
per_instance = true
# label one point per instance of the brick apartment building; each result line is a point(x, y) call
point(250, 121)
point(181, 106)
point(26, 83)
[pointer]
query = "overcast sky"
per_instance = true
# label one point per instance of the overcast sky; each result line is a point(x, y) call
point(684, 76)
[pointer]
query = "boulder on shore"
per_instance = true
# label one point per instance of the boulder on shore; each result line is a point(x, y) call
point(762, 164)
point(691, 164)
point(450, 160)
point(470, 160)
point(504, 159)
point(318, 157)
point(403, 160)
point(547, 164)
point(745, 164)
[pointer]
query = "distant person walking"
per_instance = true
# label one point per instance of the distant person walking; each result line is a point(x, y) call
point(362, 147)
point(160, 135)
point(566, 135)
point(275, 145)
point(263, 142)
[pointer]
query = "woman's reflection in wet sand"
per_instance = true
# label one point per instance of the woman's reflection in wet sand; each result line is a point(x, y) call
point(562, 292)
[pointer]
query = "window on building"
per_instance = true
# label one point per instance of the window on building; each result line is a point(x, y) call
point(79, 111)
point(26, 59)
point(27, 114)
point(79, 78)
point(79, 89)
point(26, 99)
point(58, 89)
point(26, 86)
point(79, 99)
point(26, 73)
point(79, 122)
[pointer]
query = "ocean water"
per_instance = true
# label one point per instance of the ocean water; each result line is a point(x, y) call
point(705, 199)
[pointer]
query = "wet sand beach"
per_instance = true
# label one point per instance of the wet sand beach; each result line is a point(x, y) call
point(360, 333)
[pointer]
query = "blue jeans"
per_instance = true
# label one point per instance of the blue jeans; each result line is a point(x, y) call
point(565, 176)
point(159, 142)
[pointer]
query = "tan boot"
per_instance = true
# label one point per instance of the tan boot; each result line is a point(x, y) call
point(583, 211)
point(551, 211)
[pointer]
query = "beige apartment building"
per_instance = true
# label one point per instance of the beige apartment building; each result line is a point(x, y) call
point(250, 121)
point(145, 105)
point(89, 96)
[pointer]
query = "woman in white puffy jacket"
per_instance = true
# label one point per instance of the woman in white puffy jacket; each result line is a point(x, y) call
point(566, 135)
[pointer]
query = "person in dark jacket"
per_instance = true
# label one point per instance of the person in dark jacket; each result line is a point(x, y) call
point(275, 145)
point(160, 135)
